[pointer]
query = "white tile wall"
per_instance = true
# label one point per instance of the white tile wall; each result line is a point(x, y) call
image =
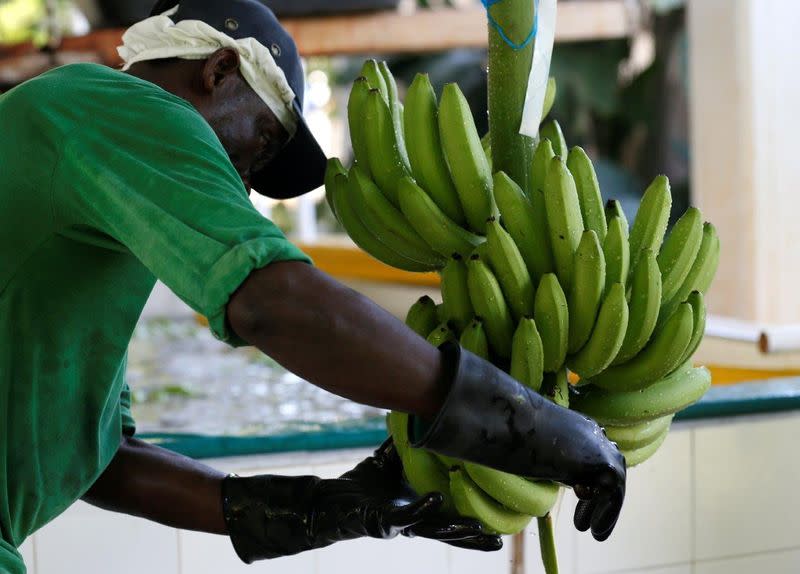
point(87, 540)
point(744, 479)
point(655, 526)
point(744, 520)
point(209, 554)
point(471, 562)
point(769, 563)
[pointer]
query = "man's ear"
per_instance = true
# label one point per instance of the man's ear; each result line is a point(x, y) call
point(220, 66)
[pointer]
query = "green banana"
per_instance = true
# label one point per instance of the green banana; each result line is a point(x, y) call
point(527, 355)
point(441, 335)
point(421, 317)
point(387, 223)
point(448, 461)
point(563, 218)
point(679, 252)
point(616, 252)
point(698, 304)
point(386, 162)
point(651, 219)
point(556, 388)
point(705, 275)
point(642, 454)
point(371, 70)
point(474, 340)
point(514, 492)
point(665, 397)
point(644, 307)
point(440, 232)
point(614, 209)
point(465, 157)
point(551, 130)
point(607, 337)
point(395, 106)
point(356, 110)
point(660, 357)
point(471, 502)
point(441, 313)
point(552, 319)
point(397, 426)
point(637, 436)
point(425, 148)
point(527, 227)
point(591, 202)
point(333, 168)
point(549, 97)
point(362, 236)
point(509, 267)
point(540, 166)
point(586, 295)
point(455, 294)
point(486, 143)
point(702, 273)
point(426, 473)
point(490, 305)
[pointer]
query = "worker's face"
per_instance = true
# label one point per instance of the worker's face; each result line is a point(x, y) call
point(244, 124)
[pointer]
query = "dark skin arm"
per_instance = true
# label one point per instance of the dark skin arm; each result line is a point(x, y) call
point(337, 339)
point(315, 327)
point(160, 485)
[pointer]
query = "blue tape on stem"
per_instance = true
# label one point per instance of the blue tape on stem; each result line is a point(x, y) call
point(514, 46)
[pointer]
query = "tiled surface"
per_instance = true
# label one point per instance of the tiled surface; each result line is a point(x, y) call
point(744, 521)
point(471, 562)
point(87, 540)
point(209, 554)
point(769, 563)
point(655, 526)
point(746, 472)
point(398, 556)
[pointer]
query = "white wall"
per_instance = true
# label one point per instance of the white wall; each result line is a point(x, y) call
point(718, 497)
point(744, 94)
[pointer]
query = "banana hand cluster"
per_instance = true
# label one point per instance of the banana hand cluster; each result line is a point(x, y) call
point(538, 277)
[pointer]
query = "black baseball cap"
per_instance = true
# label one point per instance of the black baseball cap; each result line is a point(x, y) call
point(300, 166)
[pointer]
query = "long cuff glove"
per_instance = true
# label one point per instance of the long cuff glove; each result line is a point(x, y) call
point(491, 419)
point(272, 516)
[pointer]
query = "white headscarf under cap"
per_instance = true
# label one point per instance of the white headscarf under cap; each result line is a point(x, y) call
point(158, 37)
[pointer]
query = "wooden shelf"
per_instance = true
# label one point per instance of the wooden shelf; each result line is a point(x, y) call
point(389, 32)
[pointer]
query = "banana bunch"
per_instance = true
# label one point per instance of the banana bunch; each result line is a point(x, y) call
point(420, 190)
point(540, 277)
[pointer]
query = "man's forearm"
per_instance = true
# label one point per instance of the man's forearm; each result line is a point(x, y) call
point(159, 485)
point(337, 339)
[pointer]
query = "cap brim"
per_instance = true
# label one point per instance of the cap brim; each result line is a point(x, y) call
point(298, 169)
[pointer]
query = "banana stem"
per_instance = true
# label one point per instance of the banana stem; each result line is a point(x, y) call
point(547, 544)
point(509, 70)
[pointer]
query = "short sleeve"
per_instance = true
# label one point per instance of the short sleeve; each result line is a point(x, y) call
point(128, 422)
point(153, 176)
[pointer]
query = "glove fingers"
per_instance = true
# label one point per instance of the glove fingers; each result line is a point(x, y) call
point(483, 543)
point(450, 530)
point(583, 515)
point(416, 511)
point(605, 517)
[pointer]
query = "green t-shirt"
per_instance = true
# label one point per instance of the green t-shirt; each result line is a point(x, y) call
point(107, 182)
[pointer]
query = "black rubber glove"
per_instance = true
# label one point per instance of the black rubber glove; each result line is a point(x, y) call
point(491, 419)
point(272, 516)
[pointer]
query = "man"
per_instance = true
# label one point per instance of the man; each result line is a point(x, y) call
point(110, 180)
